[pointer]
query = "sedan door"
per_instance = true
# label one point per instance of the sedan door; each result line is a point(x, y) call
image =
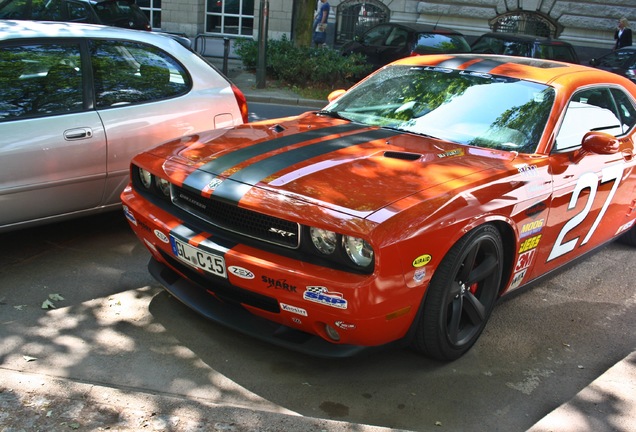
point(53, 149)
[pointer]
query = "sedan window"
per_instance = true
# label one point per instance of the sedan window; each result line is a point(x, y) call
point(129, 73)
point(40, 79)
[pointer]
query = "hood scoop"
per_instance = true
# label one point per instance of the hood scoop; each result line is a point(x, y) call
point(277, 128)
point(402, 155)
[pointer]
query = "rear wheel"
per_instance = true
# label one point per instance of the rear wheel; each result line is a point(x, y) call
point(461, 295)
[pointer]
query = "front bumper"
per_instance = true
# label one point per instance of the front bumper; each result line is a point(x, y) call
point(238, 318)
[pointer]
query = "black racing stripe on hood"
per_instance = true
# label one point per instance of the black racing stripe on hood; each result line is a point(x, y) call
point(200, 178)
point(238, 184)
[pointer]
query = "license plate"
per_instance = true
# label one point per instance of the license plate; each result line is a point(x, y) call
point(198, 258)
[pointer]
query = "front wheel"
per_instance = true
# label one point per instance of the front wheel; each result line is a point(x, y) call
point(629, 238)
point(461, 295)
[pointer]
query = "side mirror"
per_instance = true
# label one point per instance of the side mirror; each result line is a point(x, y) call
point(600, 143)
point(335, 94)
point(597, 143)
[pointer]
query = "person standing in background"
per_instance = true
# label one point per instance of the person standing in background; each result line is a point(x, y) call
point(623, 34)
point(320, 23)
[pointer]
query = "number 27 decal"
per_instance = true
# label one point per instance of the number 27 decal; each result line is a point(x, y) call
point(587, 180)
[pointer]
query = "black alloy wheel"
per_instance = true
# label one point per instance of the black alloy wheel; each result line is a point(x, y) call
point(461, 295)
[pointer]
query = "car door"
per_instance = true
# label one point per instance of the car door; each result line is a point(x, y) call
point(373, 44)
point(593, 192)
point(144, 97)
point(53, 148)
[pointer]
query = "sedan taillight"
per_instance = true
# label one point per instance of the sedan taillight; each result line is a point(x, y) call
point(242, 102)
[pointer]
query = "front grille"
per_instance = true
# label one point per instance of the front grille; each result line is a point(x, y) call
point(238, 220)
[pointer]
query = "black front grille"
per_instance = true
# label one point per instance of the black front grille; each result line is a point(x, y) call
point(238, 220)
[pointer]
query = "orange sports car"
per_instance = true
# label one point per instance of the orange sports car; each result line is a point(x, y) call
point(399, 213)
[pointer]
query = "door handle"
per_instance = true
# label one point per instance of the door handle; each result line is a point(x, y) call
point(78, 134)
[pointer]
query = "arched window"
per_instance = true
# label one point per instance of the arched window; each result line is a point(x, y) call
point(354, 17)
point(524, 22)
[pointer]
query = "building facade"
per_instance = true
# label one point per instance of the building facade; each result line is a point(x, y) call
point(584, 23)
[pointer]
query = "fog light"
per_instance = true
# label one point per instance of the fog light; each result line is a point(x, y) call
point(332, 332)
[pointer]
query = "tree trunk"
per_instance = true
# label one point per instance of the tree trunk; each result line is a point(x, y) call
point(303, 20)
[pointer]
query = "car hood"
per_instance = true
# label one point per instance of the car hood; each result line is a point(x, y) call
point(348, 167)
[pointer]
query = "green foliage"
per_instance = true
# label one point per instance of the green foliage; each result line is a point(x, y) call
point(304, 66)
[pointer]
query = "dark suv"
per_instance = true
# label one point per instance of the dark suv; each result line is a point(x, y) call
point(387, 42)
point(525, 46)
point(118, 13)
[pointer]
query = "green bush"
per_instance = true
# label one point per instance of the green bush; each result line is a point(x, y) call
point(304, 66)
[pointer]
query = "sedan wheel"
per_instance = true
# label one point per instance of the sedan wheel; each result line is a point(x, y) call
point(461, 295)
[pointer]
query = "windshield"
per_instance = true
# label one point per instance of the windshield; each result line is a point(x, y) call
point(459, 106)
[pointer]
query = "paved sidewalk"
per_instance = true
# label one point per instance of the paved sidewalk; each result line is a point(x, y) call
point(42, 403)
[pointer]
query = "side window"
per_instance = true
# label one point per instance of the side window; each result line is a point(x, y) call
point(40, 79)
point(130, 72)
point(78, 12)
point(377, 36)
point(626, 109)
point(588, 110)
point(397, 38)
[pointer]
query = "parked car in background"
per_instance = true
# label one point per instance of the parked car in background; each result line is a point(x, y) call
point(118, 13)
point(77, 101)
point(621, 61)
point(525, 46)
point(387, 42)
point(399, 213)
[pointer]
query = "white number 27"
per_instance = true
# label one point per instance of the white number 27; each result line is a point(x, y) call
point(587, 180)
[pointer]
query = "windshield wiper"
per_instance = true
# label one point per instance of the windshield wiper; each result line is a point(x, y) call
point(332, 114)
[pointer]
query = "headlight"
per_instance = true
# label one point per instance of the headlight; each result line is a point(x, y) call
point(358, 251)
point(145, 177)
point(163, 186)
point(325, 241)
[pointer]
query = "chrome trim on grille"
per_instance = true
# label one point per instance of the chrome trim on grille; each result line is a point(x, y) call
point(236, 219)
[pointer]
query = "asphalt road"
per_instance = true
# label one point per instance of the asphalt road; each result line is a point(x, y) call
point(113, 325)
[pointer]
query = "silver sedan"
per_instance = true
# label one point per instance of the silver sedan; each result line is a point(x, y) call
point(78, 101)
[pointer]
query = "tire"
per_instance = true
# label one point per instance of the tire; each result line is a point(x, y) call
point(455, 312)
point(629, 238)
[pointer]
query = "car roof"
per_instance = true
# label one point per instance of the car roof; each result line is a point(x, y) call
point(526, 68)
point(523, 38)
point(24, 29)
point(422, 28)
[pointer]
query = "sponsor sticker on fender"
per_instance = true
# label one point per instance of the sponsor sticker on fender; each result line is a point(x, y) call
point(422, 260)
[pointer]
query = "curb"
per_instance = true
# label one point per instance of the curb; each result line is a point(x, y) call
point(608, 404)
